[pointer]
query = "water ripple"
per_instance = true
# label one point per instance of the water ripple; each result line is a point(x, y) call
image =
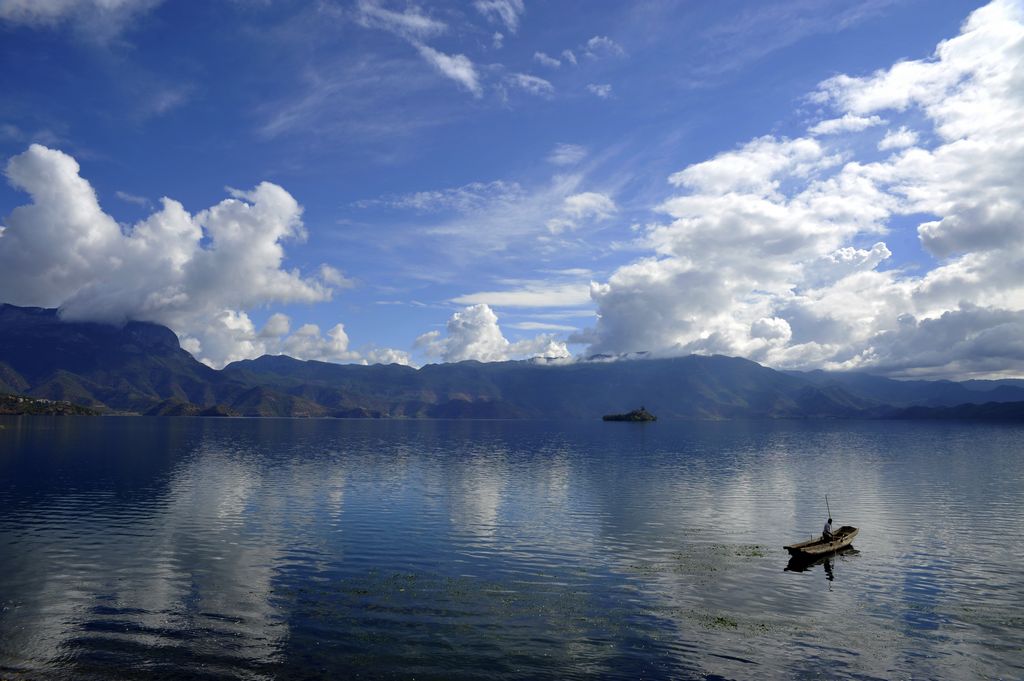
point(235, 549)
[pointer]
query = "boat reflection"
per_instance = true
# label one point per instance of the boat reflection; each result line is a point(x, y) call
point(803, 564)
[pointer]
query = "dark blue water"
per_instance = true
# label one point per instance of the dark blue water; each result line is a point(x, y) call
point(300, 549)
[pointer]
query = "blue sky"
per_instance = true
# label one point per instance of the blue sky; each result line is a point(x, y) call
point(480, 180)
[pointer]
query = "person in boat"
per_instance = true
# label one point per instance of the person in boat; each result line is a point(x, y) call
point(826, 534)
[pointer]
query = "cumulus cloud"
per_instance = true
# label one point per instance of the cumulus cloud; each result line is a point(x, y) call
point(966, 341)
point(334, 277)
point(898, 139)
point(601, 46)
point(760, 254)
point(473, 333)
point(505, 11)
point(843, 262)
point(277, 325)
point(757, 168)
point(308, 342)
point(196, 273)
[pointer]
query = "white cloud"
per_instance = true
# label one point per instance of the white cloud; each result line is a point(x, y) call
point(229, 336)
point(132, 198)
point(277, 325)
point(567, 154)
point(580, 207)
point(846, 123)
point(769, 233)
point(541, 326)
point(771, 328)
point(534, 295)
point(755, 168)
point(348, 99)
point(458, 67)
point(505, 11)
point(473, 333)
point(498, 40)
point(468, 197)
point(604, 91)
point(898, 139)
point(570, 57)
point(386, 356)
point(411, 24)
point(546, 60)
point(966, 341)
point(334, 277)
point(843, 262)
point(601, 46)
point(414, 27)
point(163, 99)
point(196, 273)
point(589, 205)
point(93, 19)
point(308, 342)
point(532, 84)
point(491, 216)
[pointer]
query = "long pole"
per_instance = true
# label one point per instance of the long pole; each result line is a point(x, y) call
point(827, 508)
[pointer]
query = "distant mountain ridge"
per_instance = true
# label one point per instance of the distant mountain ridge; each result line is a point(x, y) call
point(141, 368)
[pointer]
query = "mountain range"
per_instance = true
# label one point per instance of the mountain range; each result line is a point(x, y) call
point(140, 368)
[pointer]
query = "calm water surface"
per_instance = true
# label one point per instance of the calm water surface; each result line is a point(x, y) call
point(300, 549)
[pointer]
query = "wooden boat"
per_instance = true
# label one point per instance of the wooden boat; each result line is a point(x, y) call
point(813, 548)
point(805, 563)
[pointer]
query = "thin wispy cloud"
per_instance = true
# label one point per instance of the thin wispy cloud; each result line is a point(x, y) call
point(761, 29)
point(457, 67)
point(846, 123)
point(415, 27)
point(132, 198)
point(534, 85)
point(537, 294)
point(92, 20)
point(546, 60)
point(507, 12)
point(541, 326)
point(411, 23)
point(567, 154)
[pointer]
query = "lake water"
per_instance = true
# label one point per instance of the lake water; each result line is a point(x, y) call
point(300, 549)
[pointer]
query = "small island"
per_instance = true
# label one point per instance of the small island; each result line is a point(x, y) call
point(22, 405)
point(639, 415)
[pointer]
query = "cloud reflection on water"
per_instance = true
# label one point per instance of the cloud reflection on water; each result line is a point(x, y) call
point(255, 545)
